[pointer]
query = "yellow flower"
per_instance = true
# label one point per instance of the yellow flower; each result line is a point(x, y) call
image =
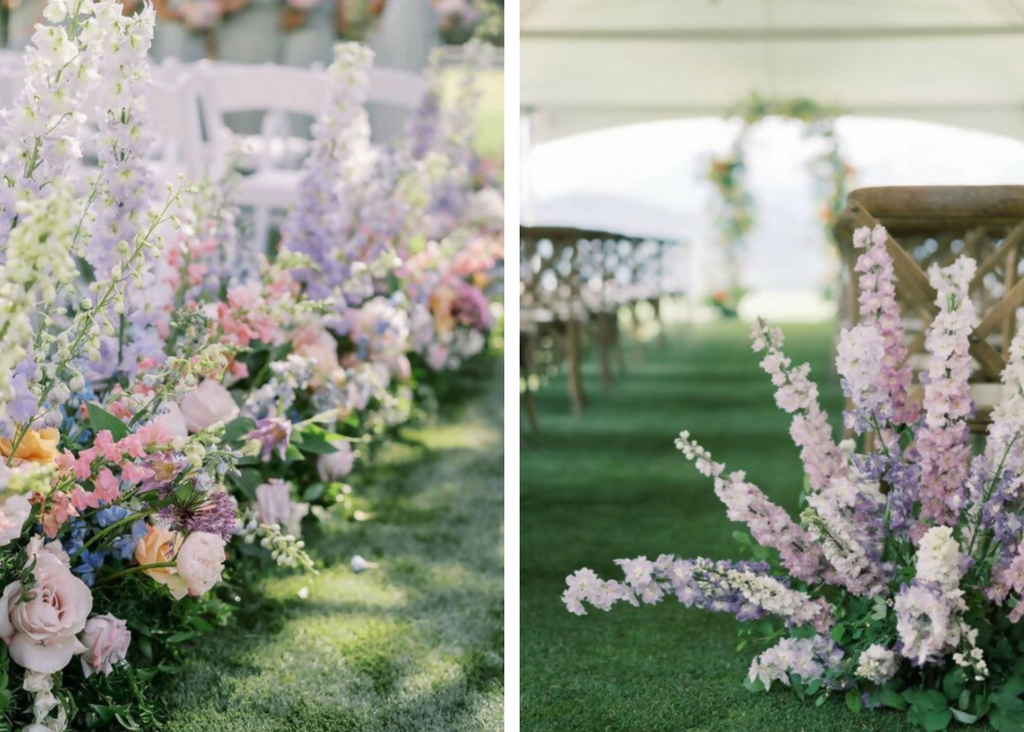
point(37, 446)
point(158, 546)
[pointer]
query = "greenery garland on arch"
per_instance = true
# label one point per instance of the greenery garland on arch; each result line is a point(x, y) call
point(735, 216)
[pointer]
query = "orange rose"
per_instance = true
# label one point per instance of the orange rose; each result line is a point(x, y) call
point(158, 546)
point(441, 302)
point(37, 446)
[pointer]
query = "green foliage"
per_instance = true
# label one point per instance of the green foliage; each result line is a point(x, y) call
point(100, 419)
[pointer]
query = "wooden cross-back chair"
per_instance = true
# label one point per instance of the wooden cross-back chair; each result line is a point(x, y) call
point(572, 279)
point(550, 304)
point(935, 225)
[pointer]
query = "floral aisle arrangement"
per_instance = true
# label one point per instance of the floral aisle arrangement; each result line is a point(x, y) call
point(171, 410)
point(735, 215)
point(900, 585)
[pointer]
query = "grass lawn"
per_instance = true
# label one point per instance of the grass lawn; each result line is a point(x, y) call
point(414, 645)
point(612, 485)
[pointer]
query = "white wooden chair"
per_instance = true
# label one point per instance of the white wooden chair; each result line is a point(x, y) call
point(174, 121)
point(276, 91)
point(279, 91)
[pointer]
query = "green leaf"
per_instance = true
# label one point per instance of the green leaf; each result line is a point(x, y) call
point(838, 632)
point(1006, 721)
point(315, 490)
point(954, 683)
point(892, 699)
point(181, 636)
point(963, 716)
point(100, 419)
point(853, 700)
point(820, 700)
point(926, 701)
point(105, 713)
point(314, 442)
point(1008, 697)
point(936, 720)
point(237, 429)
point(742, 538)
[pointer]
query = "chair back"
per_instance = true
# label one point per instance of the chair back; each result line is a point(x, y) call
point(935, 225)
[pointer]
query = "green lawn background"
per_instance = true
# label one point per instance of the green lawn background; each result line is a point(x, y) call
point(612, 485)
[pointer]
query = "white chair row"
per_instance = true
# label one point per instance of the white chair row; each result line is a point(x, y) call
point(188, 104)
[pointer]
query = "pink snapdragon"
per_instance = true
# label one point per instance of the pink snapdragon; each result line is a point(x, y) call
point(798, 395)
point(943, 444)
point(878, 307)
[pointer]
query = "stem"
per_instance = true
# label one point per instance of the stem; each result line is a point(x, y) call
point(138, 568)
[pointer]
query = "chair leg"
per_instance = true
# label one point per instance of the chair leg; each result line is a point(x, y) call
point(526, 364)
point(604, 344)
point(616, 342)
point(260, 232)
point(656, 306)
point(637, 341)
point(573, 358)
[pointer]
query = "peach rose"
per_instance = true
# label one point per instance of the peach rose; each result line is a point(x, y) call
point(37, 446)
point(41, 633)
point(159, 546)
point(106, 640)
point(207, 405)
point(201, 562)
point(320, 347)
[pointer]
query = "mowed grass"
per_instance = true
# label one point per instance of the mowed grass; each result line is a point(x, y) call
point(414, 645)
point(612, 485)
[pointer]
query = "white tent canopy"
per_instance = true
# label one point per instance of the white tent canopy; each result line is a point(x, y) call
point(592, 64)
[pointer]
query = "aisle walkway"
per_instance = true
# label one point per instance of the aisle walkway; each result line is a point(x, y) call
point(414, 645)
point(612, 485)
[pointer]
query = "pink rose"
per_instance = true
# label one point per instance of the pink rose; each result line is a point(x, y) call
point(437, 356)
point(336, 465)
point(201, 562)
point(106, 640)
point(41, 633)
point(13, 513)
point(275, 502)
point(209, 404)
point(172, 421)
point(320, 347)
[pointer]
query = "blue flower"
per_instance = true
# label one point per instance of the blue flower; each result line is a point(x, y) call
point(91, 562)
point(111, 515)
point(124, 545)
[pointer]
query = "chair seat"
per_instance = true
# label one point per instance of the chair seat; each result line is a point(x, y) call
point(269, 188)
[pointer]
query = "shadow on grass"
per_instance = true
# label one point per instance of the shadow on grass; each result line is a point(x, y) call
point(416, 644)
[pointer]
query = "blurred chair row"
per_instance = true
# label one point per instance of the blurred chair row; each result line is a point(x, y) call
point(574, 284)
point(935, 225)
point(190, 106)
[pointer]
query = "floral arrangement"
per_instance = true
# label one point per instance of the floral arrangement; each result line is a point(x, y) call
point(735, 215)
point(901, 583)
point(172, 409)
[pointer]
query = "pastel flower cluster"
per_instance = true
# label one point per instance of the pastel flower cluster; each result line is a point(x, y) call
point(174, 409)
point(902, 582)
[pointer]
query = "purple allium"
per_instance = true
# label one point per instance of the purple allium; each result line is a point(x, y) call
point(215, 512)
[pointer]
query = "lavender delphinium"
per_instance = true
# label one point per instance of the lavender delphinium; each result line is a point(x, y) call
point(902, 583)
